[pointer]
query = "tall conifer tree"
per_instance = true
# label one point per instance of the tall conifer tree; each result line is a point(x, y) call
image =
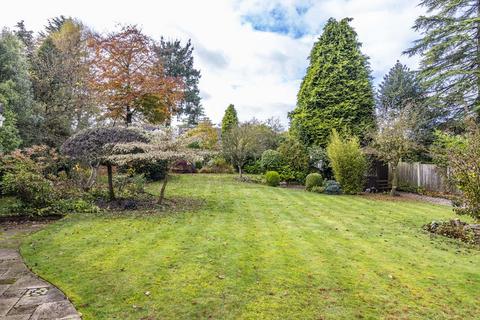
point(230, 119)
point(450, 51)
point(336, 92)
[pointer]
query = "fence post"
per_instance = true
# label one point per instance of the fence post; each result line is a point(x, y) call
point(418, 175)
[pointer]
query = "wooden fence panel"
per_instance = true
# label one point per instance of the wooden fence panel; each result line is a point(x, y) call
point(422, 175)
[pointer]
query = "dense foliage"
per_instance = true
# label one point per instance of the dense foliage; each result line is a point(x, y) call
point(336, 92)
point(272, 178)
point(271, 160)
point(348, 162)
point(461, 154)
point(449, 48)
point(177, 62)
point(313, 180)
point(229, 120)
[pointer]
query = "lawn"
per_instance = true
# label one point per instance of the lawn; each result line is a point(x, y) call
point(257, 252)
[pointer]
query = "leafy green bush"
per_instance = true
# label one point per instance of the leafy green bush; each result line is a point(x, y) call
point(31, 188)
point(295, 156)
point(271, 160)
point(289, 175)
point(272, 178)
point(348, 162)
point(313, 180)
point(253, 167)
point(332, 187)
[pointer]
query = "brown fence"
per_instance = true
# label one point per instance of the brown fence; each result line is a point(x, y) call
point(421, 175)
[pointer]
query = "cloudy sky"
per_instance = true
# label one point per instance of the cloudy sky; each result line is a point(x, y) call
point(252, 53)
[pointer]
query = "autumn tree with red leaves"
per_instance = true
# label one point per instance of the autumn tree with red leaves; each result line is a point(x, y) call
point(129, 79)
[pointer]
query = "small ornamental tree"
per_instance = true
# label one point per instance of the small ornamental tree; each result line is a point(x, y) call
point(239, 144)
point(348, 162)
point(394, 140)
point(162, 147)
point(93, 146)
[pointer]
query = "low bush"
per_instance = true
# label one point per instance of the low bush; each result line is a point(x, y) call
point(217, 165)
point(30, 188)
point(332, 187)
point(313, 180)
point(271, 161)
point(272, 178)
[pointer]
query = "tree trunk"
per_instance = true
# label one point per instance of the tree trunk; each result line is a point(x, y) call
point(93, 177)
point(162, 191)
point(477, 71)
point(240, 171)
point(110, 182)
point(393, 192)
point(129, 116)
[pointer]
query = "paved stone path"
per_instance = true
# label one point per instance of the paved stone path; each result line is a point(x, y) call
point(23, 295)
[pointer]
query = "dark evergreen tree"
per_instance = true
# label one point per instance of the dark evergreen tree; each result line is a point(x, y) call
point(26, 36)
point(178, 62)
point(336, 92)
point(399, 88)
point(450, 51)
point(230, 119)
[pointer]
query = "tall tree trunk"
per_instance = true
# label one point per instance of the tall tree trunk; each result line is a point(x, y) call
point(110, 182)
point(393, 191)
point(162, 191)
point(477, 71)
point(240, 171)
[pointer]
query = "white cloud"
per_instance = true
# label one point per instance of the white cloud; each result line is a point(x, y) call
point(259, 72)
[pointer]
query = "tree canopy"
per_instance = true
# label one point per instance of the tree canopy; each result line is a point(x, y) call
point(230, 119)
point(336, 92)
point(450, 52)
point(177, 61)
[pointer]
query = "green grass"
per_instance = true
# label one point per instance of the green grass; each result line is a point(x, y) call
point(257, 252)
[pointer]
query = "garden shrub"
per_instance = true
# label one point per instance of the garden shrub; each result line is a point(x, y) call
point(296, 159)
point(31, 188)
point(348, 162)
point(271, 161)
point(332, 187)
point(217, 165)
point(253, 167)
point(272, 178)
point(289, 175)
point(313, 180)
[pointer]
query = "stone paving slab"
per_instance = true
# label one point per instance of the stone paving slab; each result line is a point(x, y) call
point(24, 296)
